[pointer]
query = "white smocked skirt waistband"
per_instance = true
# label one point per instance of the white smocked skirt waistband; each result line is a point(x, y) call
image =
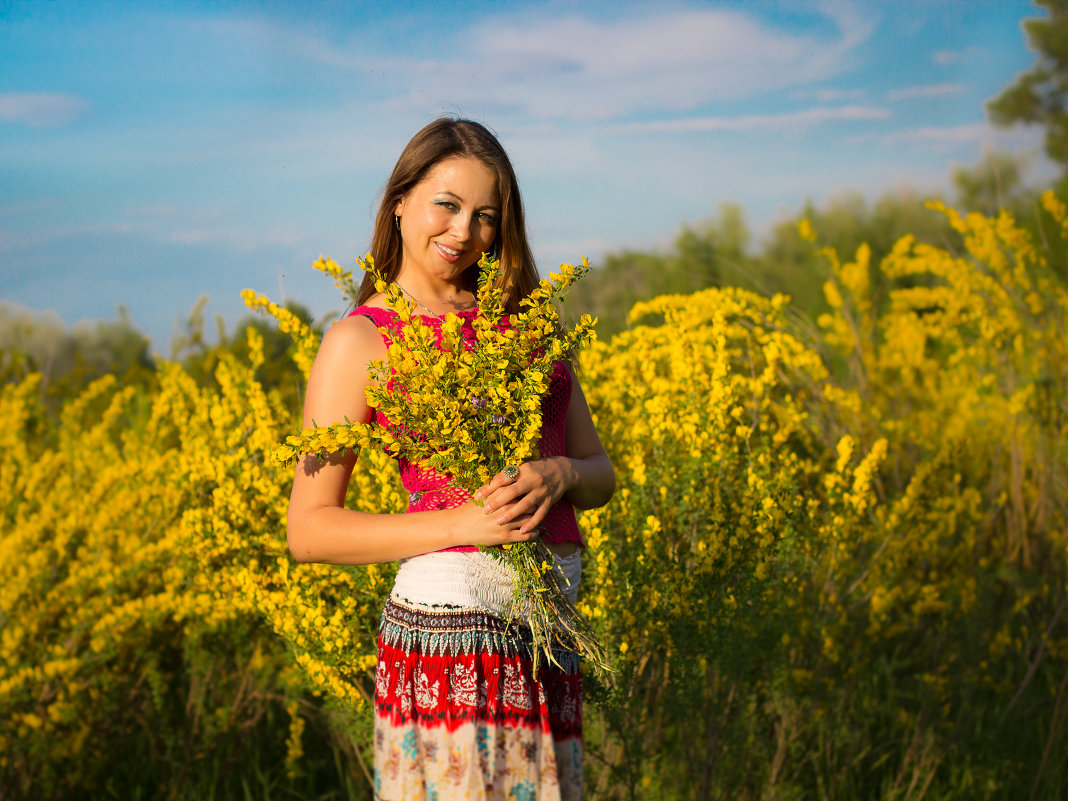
point(468, 580)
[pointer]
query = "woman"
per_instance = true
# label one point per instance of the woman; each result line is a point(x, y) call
point(457, 712)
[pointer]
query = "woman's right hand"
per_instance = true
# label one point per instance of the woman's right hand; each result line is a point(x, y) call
point(476, 525)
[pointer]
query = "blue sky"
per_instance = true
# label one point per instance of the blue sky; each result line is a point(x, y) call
point(152, 152)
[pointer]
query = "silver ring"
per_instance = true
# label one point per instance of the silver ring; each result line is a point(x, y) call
point(511, 472)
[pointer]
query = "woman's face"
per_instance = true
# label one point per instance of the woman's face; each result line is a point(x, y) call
point(449, 218)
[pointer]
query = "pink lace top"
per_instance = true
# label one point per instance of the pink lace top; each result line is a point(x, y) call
point(430, 490)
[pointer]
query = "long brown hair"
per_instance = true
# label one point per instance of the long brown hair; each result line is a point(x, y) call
point(445, 138)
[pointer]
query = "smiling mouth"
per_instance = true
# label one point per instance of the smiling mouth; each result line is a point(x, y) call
point(448, 251)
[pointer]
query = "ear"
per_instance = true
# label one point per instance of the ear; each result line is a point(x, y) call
point(399, 209)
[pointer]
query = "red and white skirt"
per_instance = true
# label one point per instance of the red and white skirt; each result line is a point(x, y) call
point(458, 711)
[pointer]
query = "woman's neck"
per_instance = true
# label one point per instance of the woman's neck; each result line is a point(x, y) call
point(438, 298)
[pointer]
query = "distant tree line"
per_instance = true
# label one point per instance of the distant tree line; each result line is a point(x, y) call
point(69, 358)
point(721, 252)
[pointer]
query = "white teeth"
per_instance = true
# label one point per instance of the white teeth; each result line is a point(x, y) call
point(450, 251)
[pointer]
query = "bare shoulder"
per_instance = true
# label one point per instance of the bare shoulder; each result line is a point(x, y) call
point(353, 340)
point(340, 372)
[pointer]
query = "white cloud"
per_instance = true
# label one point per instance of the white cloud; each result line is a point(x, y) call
point(828, 95)
point(579, 67)
point(947, 58)
point(162, 223)
point(672, 61)
point(932, 90)
point(960, 142)
point(13, 239)
point(981, 134)
point(208, 226)
point(277, 39)
point(763, 122)
point(41, 109)
point(930, 135)
point(855, 23)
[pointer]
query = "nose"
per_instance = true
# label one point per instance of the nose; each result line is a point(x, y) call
point(463, 226)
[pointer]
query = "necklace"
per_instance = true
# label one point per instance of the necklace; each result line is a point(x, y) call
point(413, 297)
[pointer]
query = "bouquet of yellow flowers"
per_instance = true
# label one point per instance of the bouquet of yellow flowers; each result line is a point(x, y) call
point(469, 409)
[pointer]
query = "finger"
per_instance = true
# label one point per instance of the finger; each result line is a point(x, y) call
point(508, 476)
point(503, 496)
point(499, 481)
point(510, 512)
point(528, 536)
point(518, 535)
point(513, 528)
point(536, 519)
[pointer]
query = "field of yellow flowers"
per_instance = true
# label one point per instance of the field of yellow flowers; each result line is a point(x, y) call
point(835, 567)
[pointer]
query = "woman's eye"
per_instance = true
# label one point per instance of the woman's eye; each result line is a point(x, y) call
point(488, 218)
point(447, 204)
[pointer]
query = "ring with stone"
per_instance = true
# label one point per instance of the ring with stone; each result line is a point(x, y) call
point(511, 472)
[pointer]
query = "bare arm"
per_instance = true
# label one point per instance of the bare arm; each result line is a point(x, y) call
point(319, 527)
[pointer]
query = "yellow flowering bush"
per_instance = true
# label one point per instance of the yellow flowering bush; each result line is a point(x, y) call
point(835, 566)
point(839, 560)
point(148, 577)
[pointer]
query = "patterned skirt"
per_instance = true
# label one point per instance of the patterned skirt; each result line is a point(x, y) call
point(458, 711)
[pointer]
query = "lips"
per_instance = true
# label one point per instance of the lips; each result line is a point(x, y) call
point(448, 253)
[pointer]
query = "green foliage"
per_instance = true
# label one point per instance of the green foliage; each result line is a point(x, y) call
point(995, 183)
point(709, 254)
point(1040, 95)
point(718, 253)
point(200, 354)
point(68, 360)
point(845, 223)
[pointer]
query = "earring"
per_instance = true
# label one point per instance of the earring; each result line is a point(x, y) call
point(396, 221)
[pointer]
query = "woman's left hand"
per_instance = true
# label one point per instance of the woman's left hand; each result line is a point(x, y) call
point(536, 487)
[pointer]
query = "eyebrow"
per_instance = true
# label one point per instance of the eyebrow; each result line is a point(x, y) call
point(453, 194)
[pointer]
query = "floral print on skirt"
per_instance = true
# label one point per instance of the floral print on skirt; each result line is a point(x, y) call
point(459, 714)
